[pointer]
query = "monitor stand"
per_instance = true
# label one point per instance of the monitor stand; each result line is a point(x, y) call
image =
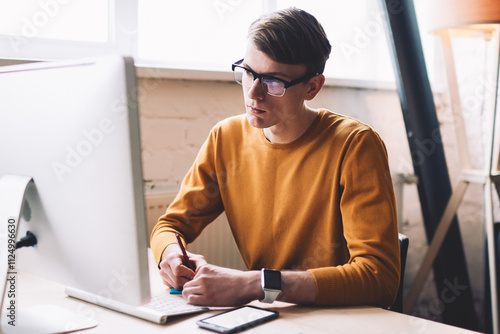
point(36, 319)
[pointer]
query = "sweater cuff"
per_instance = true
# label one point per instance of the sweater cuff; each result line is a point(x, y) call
point(159, 243)
point(329, 287)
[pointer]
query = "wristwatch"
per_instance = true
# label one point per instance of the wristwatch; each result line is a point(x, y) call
point(270, 280)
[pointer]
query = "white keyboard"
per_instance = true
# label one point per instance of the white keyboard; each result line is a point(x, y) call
point(157, 310)
point(171, 306)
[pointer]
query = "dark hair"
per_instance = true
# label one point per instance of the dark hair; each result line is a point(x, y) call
point(291, 36)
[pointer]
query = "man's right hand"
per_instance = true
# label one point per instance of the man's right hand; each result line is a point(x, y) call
point(172, 270)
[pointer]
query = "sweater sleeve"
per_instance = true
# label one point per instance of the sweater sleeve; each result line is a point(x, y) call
point(196, 205)
point(368, 211)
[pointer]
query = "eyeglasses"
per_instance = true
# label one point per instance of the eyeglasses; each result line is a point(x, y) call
point(271, 85)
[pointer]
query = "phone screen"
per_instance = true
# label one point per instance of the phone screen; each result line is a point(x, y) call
point(238, 319)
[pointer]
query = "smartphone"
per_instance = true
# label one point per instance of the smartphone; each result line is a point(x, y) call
point(238, 319)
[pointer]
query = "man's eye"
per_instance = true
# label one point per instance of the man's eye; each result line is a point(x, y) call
point(271, 81)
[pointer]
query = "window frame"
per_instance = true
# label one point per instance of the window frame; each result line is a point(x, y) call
point(122, 39)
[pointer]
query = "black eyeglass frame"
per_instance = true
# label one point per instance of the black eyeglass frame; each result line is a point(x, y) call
point(286, 84)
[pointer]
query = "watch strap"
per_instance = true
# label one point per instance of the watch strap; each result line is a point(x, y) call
point(270, 295)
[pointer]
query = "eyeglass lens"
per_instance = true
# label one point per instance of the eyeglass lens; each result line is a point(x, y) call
point(269, 85)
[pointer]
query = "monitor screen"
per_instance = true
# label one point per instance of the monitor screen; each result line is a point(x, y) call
point(73, 127)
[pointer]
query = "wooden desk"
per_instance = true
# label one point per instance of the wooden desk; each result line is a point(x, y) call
point(293, 319)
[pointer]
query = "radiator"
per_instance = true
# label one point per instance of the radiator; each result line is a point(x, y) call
point(216, 242)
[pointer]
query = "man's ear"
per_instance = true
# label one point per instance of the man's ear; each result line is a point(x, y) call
point(315, 85)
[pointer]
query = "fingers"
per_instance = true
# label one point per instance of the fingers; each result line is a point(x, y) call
point(212, 286)
point(174, 273)
point(197, 260)
point(195, 292)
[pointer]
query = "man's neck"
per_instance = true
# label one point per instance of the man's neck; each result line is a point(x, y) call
point(288, 132)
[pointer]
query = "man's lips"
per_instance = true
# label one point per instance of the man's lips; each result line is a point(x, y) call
point(255, 111)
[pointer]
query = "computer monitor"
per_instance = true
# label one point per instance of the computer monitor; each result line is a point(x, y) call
point(73, 127)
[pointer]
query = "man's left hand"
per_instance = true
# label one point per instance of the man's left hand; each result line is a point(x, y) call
point(217, 286)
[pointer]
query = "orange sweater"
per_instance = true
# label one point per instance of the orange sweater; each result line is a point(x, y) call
point(323, 203)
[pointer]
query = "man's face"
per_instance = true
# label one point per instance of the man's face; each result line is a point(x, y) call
point(263, 110)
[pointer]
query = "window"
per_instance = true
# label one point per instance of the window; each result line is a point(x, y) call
point(61, 20)
point(195, 34)
point(62, 29)
point(356, 32)
point(210, 35)
point(205, 35)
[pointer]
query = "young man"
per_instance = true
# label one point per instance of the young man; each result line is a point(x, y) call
point(307, 193)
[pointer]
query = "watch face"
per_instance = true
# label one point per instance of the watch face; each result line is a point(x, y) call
point(272, 279)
